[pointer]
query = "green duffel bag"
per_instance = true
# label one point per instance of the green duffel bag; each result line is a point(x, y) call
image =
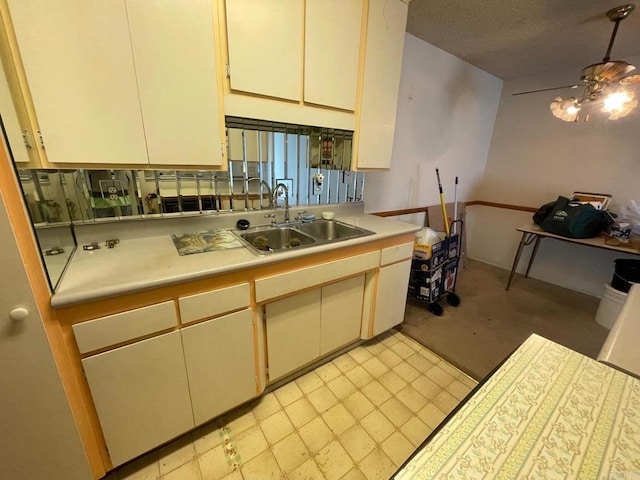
point(575, 220)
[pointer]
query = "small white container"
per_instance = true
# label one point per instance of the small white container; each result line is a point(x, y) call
point(328, 215)
point(610, 305)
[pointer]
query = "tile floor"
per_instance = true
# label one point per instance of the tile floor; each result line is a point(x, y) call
point(357, 417)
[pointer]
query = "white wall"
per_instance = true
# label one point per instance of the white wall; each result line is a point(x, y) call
point(446, 112)
point(534, 157)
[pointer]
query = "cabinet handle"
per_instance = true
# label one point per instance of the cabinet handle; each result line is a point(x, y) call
point(18, 314)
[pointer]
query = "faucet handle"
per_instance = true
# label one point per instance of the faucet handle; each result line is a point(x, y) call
point(300, 213)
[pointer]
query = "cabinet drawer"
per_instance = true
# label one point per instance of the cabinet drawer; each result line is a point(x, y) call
point(114, 329)
point(215, 302)
point(395, 254)
point(278, 285)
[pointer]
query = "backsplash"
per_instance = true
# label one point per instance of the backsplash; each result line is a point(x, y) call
point(311, 164)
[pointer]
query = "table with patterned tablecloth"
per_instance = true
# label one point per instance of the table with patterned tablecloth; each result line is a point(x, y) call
point(547, 413)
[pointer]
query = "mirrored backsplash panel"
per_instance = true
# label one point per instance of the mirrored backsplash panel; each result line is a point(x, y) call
point(312, 165)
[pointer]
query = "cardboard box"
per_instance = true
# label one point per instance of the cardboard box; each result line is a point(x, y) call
point(449, 272)
point(422, 252)
point(425, 285)
point(452, 245)
point(434, 259)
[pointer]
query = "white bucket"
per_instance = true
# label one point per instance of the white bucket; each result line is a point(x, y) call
point(610, 306)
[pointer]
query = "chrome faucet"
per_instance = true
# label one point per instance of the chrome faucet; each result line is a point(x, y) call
point(274, 199)
point(266, 185)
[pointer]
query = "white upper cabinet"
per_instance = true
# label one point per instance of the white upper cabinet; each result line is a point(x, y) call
point(381, 81)
point(332, 52)
point(294, 61)
point(128, 82)
point(12, 128)
point(265, 47)
point(78, 63)
point(174, 52)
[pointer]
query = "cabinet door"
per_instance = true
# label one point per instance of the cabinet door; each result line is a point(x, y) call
point(265, 46)
point(293, 332)
point(332, 51)
point(220, 360)
point(391, 298)
point(174, 53)
point(341, 313)
point(11, 123)
point(79, 66)
point(383, 62)
point(141, 395)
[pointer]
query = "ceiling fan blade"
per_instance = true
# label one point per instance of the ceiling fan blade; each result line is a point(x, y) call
point(545, 89)
point(606, 72)
point(631, 79)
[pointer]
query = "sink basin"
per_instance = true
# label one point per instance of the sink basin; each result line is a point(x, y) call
point(331, 230)
point(270, 239)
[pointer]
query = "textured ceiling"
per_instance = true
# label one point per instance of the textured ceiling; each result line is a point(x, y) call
point(517, 38)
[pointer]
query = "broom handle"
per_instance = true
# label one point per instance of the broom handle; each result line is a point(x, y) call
point(455, 207)
point(444, 207)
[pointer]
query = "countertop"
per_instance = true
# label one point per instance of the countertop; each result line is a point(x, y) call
point(146, 256)
point(547, 412)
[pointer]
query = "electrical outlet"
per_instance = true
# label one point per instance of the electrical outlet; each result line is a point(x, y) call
point(288, 182)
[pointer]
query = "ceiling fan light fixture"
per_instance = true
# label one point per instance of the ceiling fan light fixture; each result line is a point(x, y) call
point(566, 110)
point(607, 84)
point(606, 71)
point(619, 104)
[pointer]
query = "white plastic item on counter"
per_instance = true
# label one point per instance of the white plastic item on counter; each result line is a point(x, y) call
point(328, 215)
point(610, 305)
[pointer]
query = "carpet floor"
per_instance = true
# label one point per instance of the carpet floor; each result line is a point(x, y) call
point(491, 322)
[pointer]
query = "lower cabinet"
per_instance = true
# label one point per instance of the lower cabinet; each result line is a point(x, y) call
point(293, 332)
point(220, 360)
point(308, 325)
point(341, 314)
point(141, 395)
point(391, 297)
point(151, 391)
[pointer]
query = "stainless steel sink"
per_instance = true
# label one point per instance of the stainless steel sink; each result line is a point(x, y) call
point(272, 239)
point(330, 230)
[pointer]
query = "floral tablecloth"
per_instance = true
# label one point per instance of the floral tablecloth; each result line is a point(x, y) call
point(547, 413)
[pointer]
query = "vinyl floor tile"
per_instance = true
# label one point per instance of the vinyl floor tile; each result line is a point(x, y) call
point(356, 417)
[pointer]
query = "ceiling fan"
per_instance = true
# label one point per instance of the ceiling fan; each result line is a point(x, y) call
point(606, 84)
